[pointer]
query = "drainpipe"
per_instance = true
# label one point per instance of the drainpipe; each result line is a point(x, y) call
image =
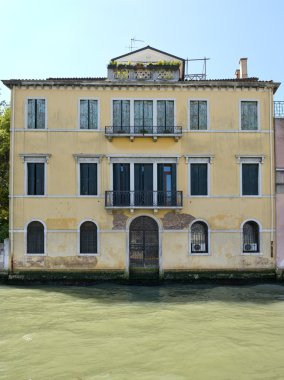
point(271, 172)
point(11, 213)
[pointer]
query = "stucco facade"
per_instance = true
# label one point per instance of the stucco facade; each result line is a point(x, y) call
point(62, 145)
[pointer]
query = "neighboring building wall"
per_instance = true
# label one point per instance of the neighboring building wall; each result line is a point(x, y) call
point(62, 210)
point(279, 152)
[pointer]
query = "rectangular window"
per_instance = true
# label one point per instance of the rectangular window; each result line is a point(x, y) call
point(35, 178)
point(198, 114)
point(36, 114)
point(165, 113)
point(121, 115)
point(88, 179)
point(88, 114)
point(143, 115)
point(249, 116)
point(199, 179)
point(250, 179)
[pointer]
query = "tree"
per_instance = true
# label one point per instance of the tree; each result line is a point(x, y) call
point(4, 170)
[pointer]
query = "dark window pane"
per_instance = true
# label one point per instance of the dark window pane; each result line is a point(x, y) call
point(35, 238)
point(250, 179)
point(198, 179)
point(88, 179)
point(88, 238)
point(35, 178)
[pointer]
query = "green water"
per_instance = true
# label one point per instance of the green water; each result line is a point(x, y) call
point(134, 332)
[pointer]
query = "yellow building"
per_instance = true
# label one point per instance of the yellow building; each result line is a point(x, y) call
point(142, 173)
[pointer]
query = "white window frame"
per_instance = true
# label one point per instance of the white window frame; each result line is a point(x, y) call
point(35, 158)
point(250, 160)
point(260, 238)
point(26, 114)
point(79, 237)
point(155, 109)
point(188, 115)
point(88, 159)
point(78, 120)
point(26, 239)
point(240, 115)
point(189, 244)
point(199, 159)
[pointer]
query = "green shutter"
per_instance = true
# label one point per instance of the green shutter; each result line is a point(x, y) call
point(250, 179)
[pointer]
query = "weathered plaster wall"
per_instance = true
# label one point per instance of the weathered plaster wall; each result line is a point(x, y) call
point(62, 210)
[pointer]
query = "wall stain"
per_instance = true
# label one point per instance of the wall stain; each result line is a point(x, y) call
point(119, 221)
point(176, 221)
point(61, 262)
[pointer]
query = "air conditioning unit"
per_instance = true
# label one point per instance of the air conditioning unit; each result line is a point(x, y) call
point(198, 247)
point(250, 247)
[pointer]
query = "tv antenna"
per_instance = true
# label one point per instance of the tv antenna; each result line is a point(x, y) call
point(132, 43)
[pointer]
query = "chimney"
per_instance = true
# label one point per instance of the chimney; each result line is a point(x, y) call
point(243, 68)
point(237, 73)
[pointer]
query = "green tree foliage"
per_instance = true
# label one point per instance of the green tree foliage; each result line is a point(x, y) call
point(4, 171)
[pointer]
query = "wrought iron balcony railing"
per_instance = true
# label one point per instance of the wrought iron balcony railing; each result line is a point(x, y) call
point(134, 131)
point(279, 109)
point(143, 199)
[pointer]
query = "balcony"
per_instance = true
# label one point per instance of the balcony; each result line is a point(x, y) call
point(143, 199)
point(143, 131)
point(279, 109)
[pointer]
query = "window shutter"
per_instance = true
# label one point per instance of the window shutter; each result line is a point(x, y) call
point(31, 113)
point(193, 114)
point(138, 113)
point(39, 174)
point(202, 115)
point(249, 115)
point(125, 105)
point(83, 114)
point(88, 238)
point(161, 113)
point(198, 180)
point(31, 178)
point(83, 179)
point(116, 115)
point(250, 179)
point(92, 179)
point(93, 114)
point(40, 114)
point(169, 113)
point(148, 113)
point(35, 238)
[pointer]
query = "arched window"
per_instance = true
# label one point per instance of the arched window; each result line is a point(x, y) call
point(250, 237)
point(35, 238)
point(199, 237)
point(88, 238)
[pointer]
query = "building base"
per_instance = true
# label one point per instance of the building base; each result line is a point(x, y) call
point(144, 278)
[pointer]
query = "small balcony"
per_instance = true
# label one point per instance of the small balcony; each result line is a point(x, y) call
point(143, 131)
point(143, 199)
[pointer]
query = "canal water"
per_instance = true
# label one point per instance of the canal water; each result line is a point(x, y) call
point(177, 332)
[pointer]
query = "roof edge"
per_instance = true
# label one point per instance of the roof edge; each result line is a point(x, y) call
point(148, 47)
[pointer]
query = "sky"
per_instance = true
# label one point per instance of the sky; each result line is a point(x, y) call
point(77, 38)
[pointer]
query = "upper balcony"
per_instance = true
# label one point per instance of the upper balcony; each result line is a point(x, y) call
point(166, 71)
point(279, 109)
point(143, 131)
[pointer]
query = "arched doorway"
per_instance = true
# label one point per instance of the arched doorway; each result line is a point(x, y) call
point(144, 246)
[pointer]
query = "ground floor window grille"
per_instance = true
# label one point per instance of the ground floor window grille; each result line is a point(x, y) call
point(199, 238)
point(250, 237)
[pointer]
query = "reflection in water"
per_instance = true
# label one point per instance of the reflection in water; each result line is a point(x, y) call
point(134, 332)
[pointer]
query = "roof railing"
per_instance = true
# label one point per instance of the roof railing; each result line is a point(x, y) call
point(279, 109)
